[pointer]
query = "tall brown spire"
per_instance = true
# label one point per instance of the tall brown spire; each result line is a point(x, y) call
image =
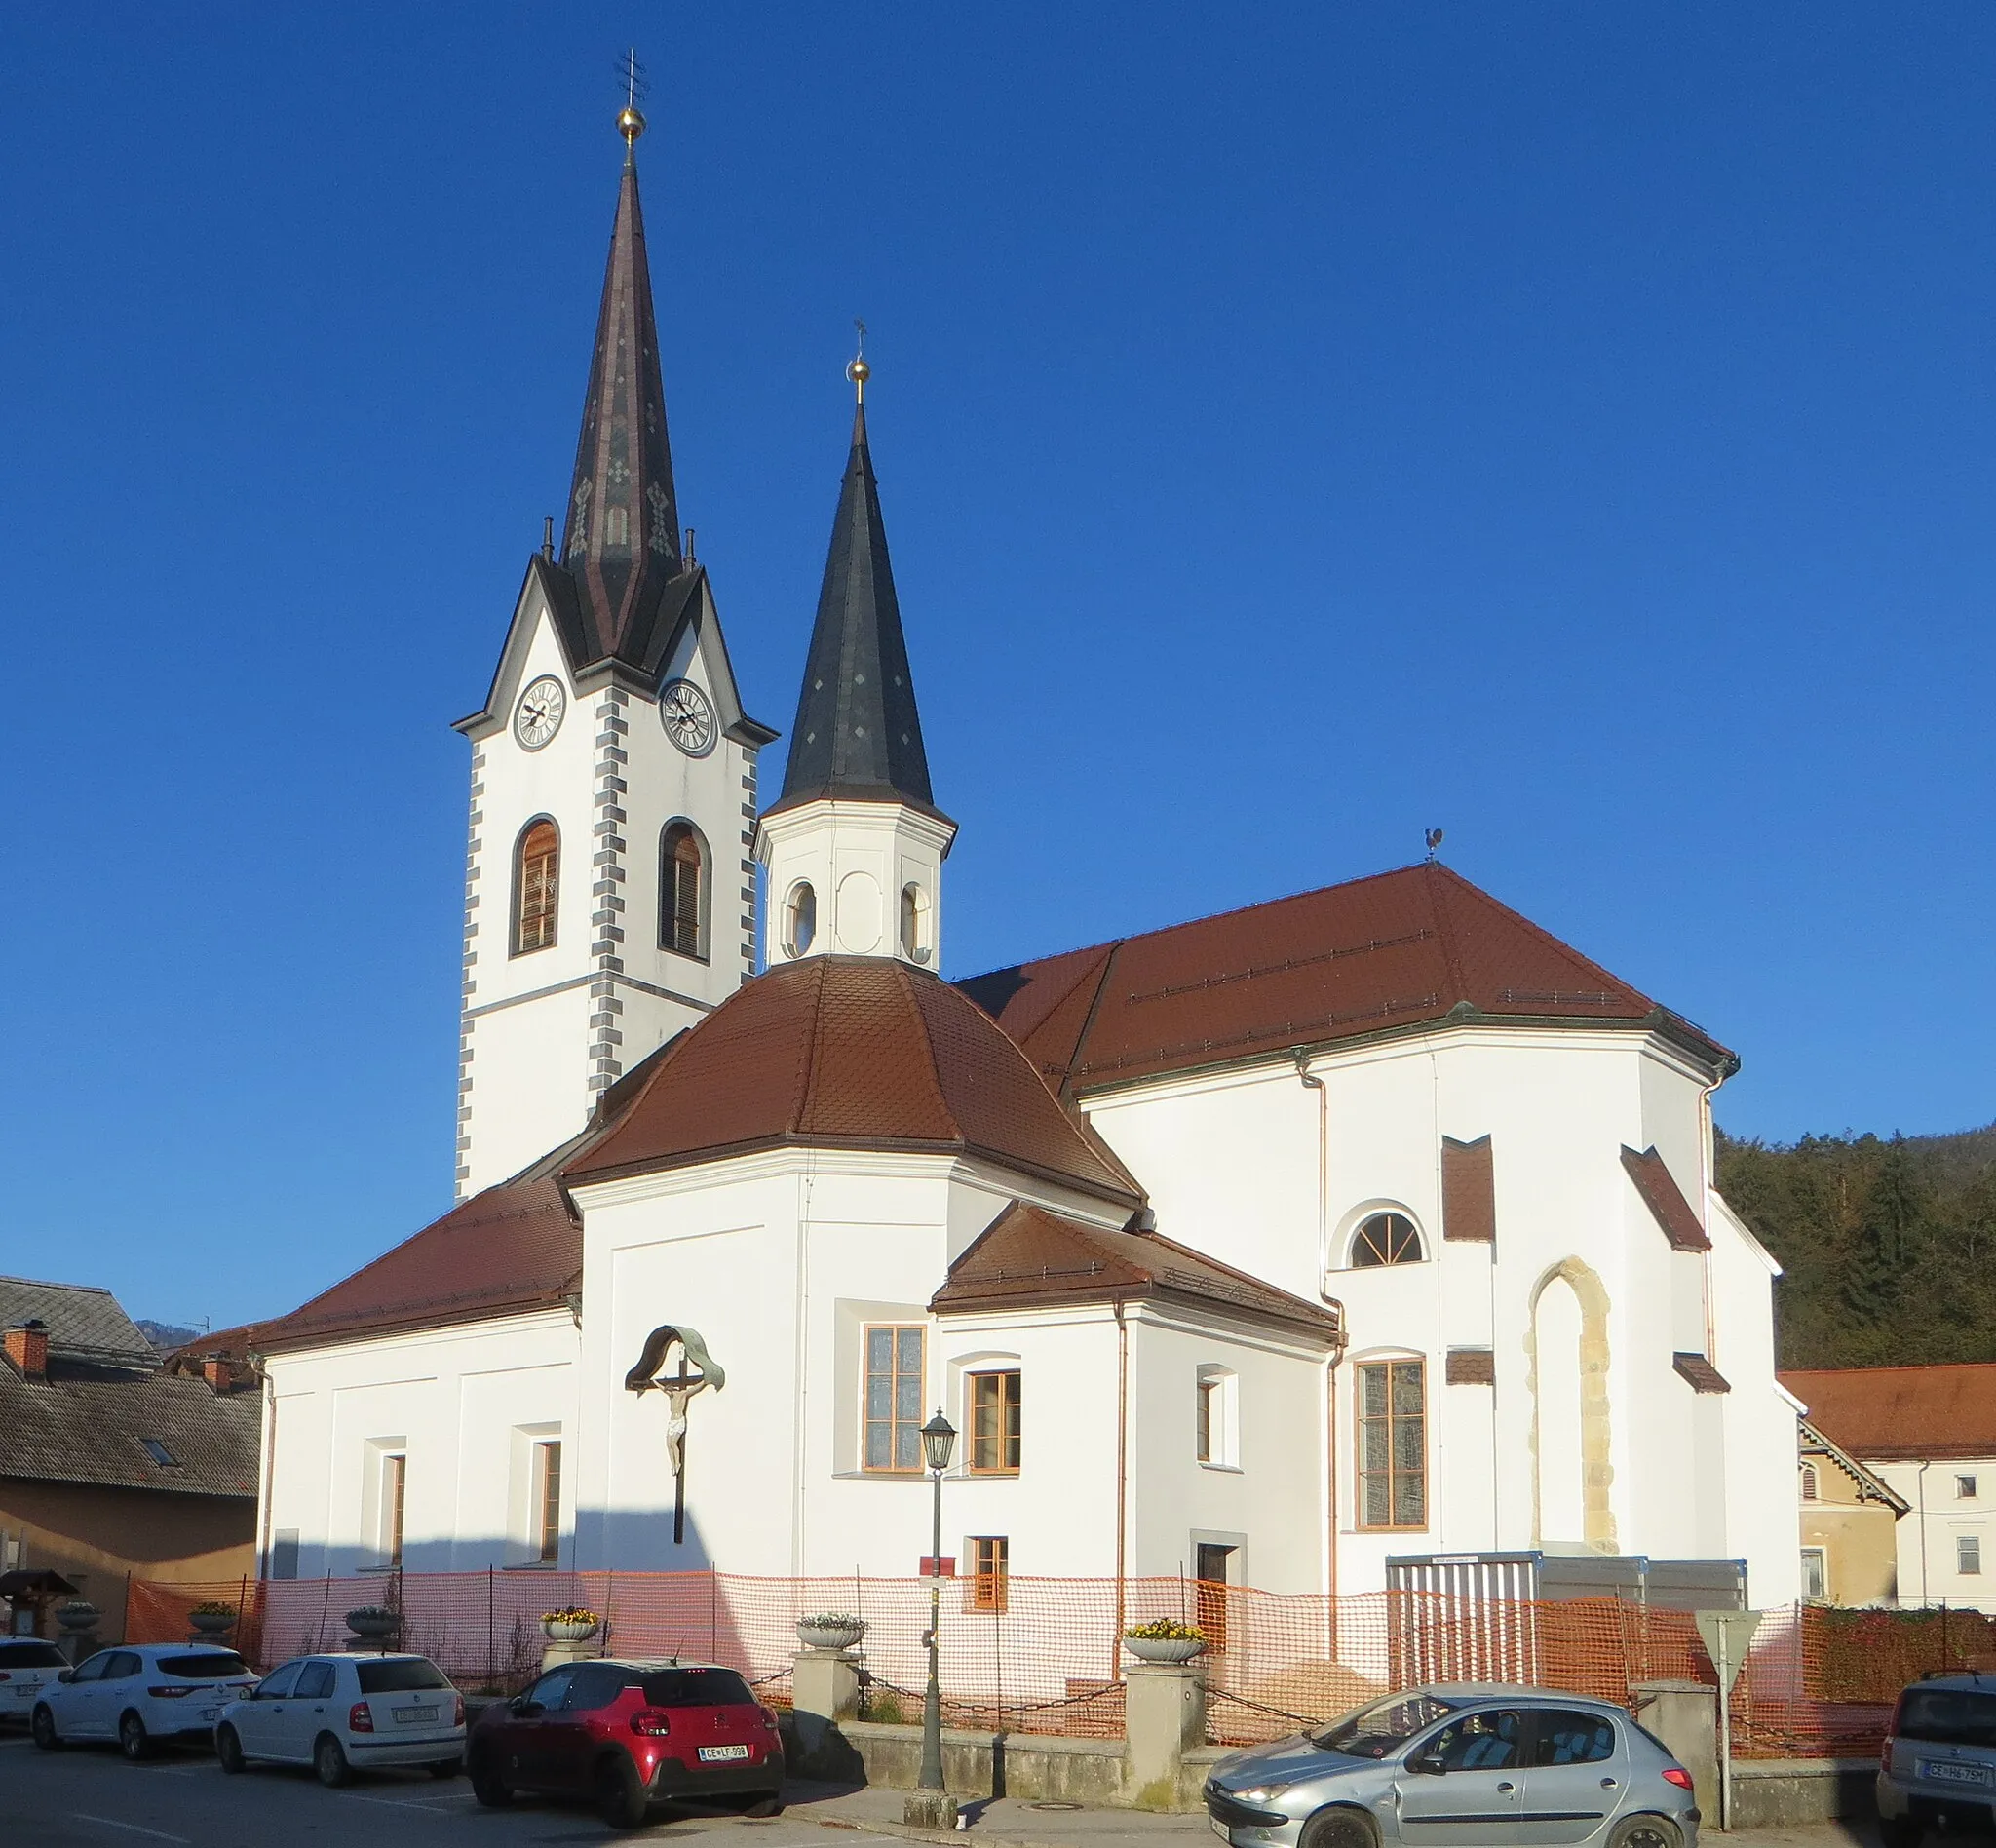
point(621, 541)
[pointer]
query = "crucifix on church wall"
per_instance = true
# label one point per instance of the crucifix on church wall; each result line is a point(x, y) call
point(697, 1370)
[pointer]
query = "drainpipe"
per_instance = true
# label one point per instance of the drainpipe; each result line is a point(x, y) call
point(1313, 1083)
point(1122, 1481)
point(1923, 1468)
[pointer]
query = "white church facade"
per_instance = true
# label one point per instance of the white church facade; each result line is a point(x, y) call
point(1367, 1222)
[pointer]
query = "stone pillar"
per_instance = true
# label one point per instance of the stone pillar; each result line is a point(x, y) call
point(1685, 1717)
point(825, 1690)
point(1164, 1716)
point(556, 1653)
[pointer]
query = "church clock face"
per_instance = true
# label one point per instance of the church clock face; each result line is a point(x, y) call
point(538, 717)
point(687, 714)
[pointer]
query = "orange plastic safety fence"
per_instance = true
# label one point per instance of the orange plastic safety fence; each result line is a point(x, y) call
point(1043, 1655)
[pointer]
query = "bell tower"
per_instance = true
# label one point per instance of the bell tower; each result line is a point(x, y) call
point(609, 892)
point(854, 846)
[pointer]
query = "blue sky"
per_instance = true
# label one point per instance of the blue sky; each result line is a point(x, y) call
point(1297, 425)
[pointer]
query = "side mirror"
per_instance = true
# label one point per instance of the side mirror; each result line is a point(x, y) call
point(1428, 1765)
point(520, 1708)
point(68, 1674)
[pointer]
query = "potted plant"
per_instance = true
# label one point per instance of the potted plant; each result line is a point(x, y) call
point(213, 1619)
point(830, 1630)
point(372, 1620)
point(77, 1616)
point(1164, 1640)
point(572, 1623)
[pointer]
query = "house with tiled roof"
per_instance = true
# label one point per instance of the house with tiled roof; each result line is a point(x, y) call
point(114, 1463)
point(1372, 1220)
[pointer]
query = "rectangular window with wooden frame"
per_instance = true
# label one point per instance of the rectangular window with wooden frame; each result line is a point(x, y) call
point(990, 1568)
point(547, 1501)
point(1392, 1443)
point(896, 1358)
point(994, 1423)
point(395, 1470)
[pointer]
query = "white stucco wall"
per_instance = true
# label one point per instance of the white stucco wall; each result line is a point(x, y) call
point(1939, 1518)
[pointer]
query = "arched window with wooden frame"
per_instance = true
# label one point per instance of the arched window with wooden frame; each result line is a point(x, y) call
point(1386, 1237)
point(683, 895)
point(536, 885)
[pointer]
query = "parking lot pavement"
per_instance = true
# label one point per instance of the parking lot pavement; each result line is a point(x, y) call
point(90, 1797)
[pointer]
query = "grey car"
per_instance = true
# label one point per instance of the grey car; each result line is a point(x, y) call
point(1470, 1766)
point(1939, 1766)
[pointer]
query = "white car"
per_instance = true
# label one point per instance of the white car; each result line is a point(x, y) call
point(139, 1695)
point(25, 1664)
point(341, 1714)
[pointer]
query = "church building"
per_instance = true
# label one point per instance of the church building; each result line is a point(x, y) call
point(1370, 1222)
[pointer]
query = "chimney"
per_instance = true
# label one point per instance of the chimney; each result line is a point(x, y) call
point(27, 1348)
point(219, 1375)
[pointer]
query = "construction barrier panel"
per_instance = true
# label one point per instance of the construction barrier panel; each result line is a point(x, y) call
point(1029, 1655)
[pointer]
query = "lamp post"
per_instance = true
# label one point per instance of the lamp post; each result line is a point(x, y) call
point(931, 1806)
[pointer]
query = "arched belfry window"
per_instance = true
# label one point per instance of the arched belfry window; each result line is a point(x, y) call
point(536, 886)
point(1386, 1237)
point(682, 890)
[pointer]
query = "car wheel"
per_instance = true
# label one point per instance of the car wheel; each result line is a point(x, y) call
point(1901, 1831)
point(330, 1763)
point(228, 1750)
point(619, 1796)
point(1646, 1832)
point(487, 1786)
point(42, 1725)
point(770, 1805)
point(131, 1738)
point(1339, 1828)
point(446, 1767)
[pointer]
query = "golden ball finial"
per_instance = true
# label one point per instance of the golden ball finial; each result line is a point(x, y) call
point(858, 371)
point(630, 124)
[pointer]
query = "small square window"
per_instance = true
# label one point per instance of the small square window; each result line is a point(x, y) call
point(990, 1570)
point(1968, 1553)
point(1814, 1575)
point(1965, 1488)
point(159, 1454)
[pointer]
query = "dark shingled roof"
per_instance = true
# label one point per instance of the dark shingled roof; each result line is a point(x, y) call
point(84, 1322)
point(849, 1052)
point(1029, 1257)
point(1396, 951)
point(512, 1249)
point(857, 734)
point(1665, 1198)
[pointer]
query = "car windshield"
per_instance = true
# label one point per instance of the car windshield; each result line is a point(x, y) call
point(697, 1687)
point(213, 1665)
point(31, 1655)
point(1383, 1727)
point(1947, 1717)
point(404, 1676)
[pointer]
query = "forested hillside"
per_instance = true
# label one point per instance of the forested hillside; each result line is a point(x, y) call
point(1890, 1247)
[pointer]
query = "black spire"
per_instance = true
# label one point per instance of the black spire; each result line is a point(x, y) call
point(622, 531)
point(858, 733)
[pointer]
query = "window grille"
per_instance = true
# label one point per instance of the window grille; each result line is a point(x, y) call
point(895, 1373)
point(536, 886)
point(681, 878)
point(994, 1423)
point(990, 1567)
point(1392, 1443)
point(1386, 1237)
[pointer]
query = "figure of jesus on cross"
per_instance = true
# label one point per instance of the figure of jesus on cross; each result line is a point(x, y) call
point(698, 1369)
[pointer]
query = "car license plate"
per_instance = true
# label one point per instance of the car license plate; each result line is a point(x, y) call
point(1945, 1773)
point(1220, 1829)
point(210, 1714)
point(717, 1755)
point(415, 1716)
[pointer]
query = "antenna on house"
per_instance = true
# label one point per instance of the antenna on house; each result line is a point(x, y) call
point(1434, 841)
point(690, 559)
point(548, 536)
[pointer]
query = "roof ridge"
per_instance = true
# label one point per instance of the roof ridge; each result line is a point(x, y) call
point(807, 1064)
point(933, 1068)
point(1609, 979)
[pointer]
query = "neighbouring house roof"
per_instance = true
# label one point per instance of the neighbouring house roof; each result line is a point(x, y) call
point(1665, 1200)
point(1902, 1413)
point(849, 1052)
point(1869, 1486)
point(1032, 1259)
point(1399, 950)
point(514, 1248)
point(89, 1421)
point(84, 1322)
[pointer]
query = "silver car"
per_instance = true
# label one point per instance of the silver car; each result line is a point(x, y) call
point(1467, 1766)
point(1939, 1766)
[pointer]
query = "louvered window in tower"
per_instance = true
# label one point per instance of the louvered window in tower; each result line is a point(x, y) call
point(536, 885)
point(682, 877)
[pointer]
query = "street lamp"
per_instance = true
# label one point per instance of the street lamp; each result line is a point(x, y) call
point(930, 1805)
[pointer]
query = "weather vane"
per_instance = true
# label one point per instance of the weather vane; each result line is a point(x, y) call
point(630, 121)
point(858, 371)
point(1434, 841)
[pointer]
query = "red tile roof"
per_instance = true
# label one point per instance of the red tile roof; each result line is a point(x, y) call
point(1665, 1198)
point(1398, 950)
point(1031, 1259)
point(849, 1052)
point(1895, 1413)
point(509, 1250)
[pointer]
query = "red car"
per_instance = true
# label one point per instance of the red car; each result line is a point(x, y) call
point(631, 1734)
